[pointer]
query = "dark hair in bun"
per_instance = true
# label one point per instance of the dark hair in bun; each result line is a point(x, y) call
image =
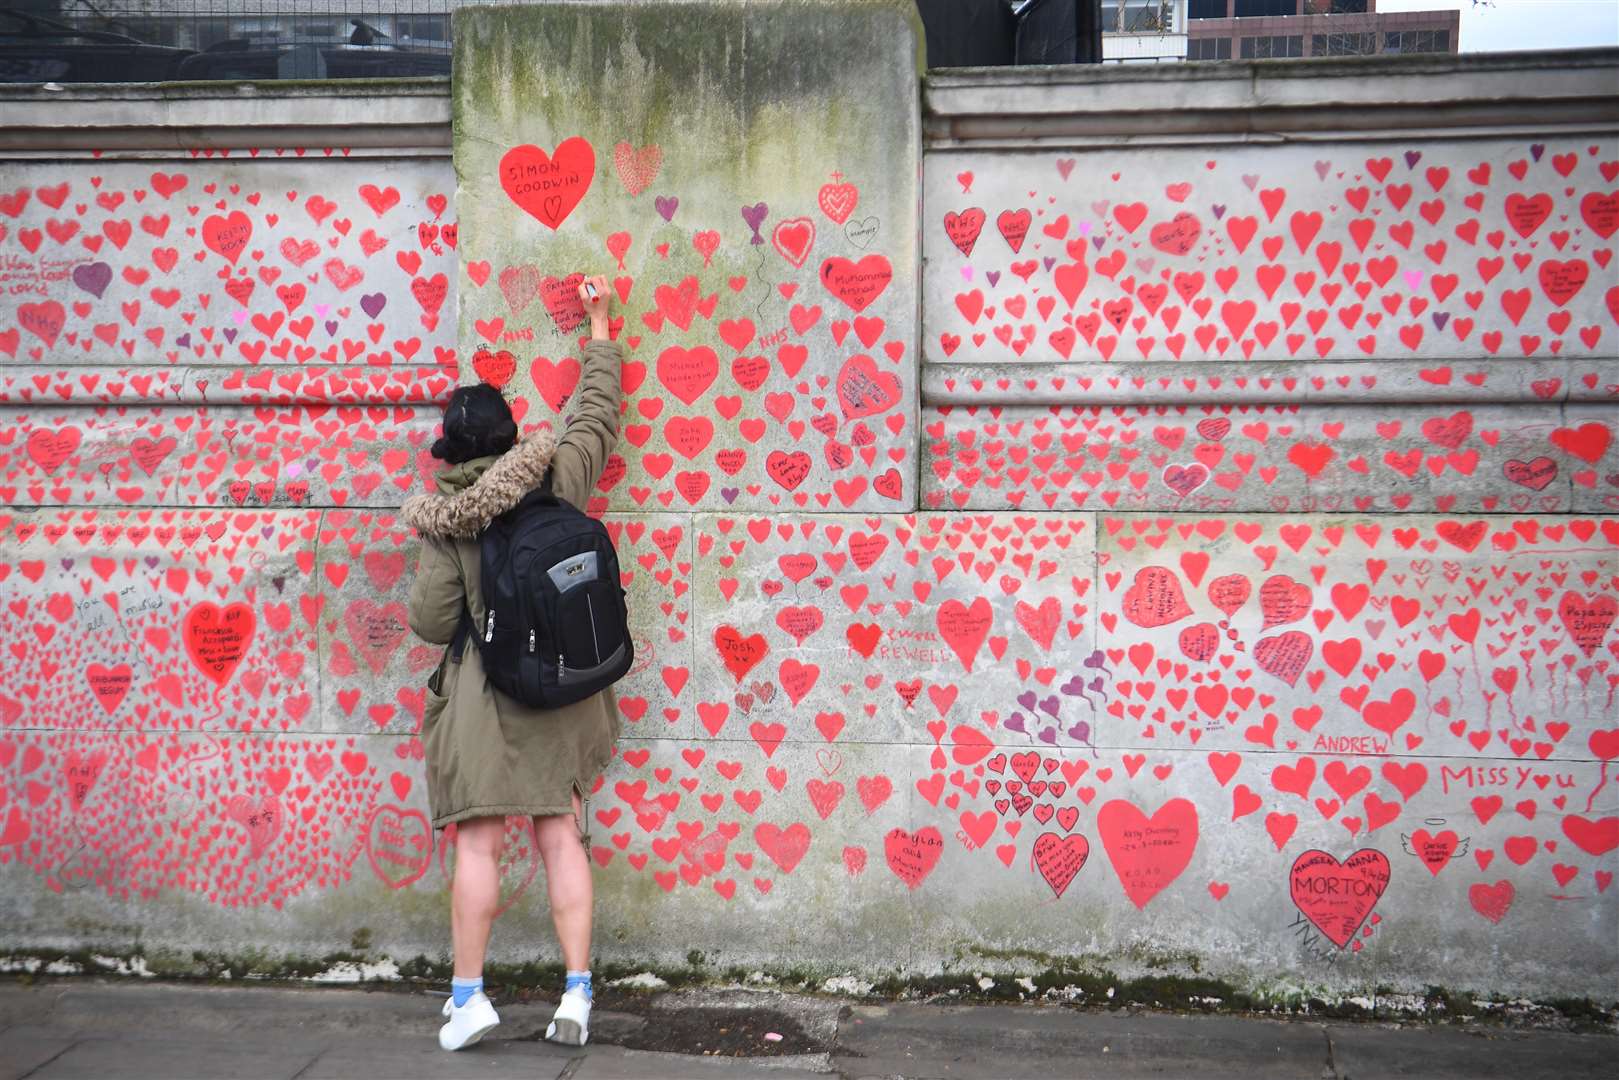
point(477, 423)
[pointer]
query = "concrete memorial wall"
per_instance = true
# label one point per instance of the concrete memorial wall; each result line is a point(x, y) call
point(1326, 370)
point(1080, 525)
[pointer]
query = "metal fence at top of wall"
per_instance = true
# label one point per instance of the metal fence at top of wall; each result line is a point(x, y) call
point(116, 41)
point(159, 40)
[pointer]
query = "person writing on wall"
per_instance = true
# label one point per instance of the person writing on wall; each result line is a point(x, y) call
point(488, 756)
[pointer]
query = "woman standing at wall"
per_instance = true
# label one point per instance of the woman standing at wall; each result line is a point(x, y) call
point(488, 756)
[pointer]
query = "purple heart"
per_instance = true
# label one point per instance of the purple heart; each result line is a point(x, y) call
point(1050, 261)
point(331, 327)
point(93, 278)
point(1015, 723)
point(994, 277)
point(373, 303)
point(1074, 686)
point(1536, 150)
point(1095, 659)
point(230, 333)
point(1096, 242)
point(666, 205)
point(152, 561)
point(1219, 210)
point(1049, 735)
point(730, 494)
point(1050, 705)
point(1080, 731)
point(183, 341)
point(1440, 318)
point(1412, 157)
point(267, 532)
point(67, 564)
point(755, 217)
point(1027, 700)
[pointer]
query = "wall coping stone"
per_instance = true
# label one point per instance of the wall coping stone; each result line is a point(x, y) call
point(1335, 98)
point(365, 117)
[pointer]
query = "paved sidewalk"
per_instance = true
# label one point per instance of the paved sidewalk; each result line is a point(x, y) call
point(107, 1030)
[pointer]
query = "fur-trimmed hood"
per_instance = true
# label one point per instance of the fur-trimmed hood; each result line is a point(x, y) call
point(474, 493)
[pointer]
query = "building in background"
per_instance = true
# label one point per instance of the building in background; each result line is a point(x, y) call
point(1143, 31)
point(154, 40)
point(1262, 29)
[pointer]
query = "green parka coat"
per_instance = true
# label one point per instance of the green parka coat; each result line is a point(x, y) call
point(488, 755)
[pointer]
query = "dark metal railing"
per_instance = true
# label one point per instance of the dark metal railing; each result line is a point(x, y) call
point(156, 40)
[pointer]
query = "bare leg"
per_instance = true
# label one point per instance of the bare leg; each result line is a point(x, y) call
point(475, 892)
point(567, 879)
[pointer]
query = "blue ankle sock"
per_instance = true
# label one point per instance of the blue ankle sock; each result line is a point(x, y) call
point(461, 990)
point(580, 979)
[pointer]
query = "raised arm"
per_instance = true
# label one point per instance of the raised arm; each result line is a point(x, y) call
point(592, 430)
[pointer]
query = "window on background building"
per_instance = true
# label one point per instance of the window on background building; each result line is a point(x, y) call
point(1206, 9)
point(1343, 44)
point(1256, 9)
point(149, 31)
point(1416, 41)
point(1348, 7)
point(422, 27)
point(1138, 16)
point(1270, 48)
point(1209, 49)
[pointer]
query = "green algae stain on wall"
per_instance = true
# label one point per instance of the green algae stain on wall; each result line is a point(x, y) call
point(709, 135)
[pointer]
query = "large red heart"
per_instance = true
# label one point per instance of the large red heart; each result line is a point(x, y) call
point(789, 469)
point(549, 186)
point(261, 818)
point(49, 448)
point(687, 373)
point(739, 653)
point(1060, 858)
point(1155, 598)
point(964, 627)
point(217, 638)
point(44, 320)
point(1492, 901)
point(865, 391)
point(561, 296)
point(1284, 655)
point(376, 630)
point(1283, 600)
point(110, 684)
point(1587, 619)
point(793, 238)
point(912, 856)
point(785, 847)
point(857, 284)
point(229, 235)
point(399, 844)
point(494, 368)
point(1338, 896)
point(1148, 854)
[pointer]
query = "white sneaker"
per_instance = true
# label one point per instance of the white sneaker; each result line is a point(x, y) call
point(571, 1024)
point(467, 1024)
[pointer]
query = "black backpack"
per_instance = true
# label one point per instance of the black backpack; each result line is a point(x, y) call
point(555, 629)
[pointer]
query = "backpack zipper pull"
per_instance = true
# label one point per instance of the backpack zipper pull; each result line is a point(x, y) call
point(562, 666)
point(531, 641)
point(489, 627)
